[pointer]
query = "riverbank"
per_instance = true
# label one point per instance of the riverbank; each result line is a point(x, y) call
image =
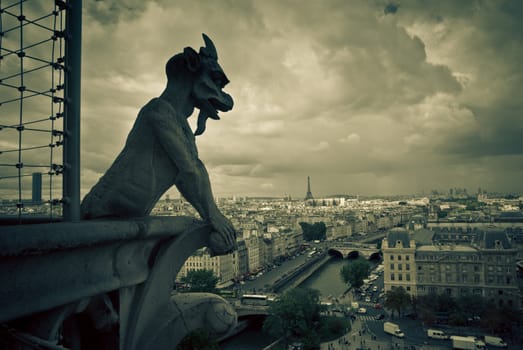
point(305, 272)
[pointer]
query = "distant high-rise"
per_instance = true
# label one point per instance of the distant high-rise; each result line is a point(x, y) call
point(309, 193)
point(37, 188)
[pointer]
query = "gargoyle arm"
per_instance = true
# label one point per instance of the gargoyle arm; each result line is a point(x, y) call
point(192, 180)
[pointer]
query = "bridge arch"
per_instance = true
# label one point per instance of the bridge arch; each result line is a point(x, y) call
point(354, 253)
point(375, 256)
point(335, 253)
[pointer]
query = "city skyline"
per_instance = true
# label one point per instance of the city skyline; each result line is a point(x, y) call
point(365, 97)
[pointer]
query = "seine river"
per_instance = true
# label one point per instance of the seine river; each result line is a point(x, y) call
point(327, 280)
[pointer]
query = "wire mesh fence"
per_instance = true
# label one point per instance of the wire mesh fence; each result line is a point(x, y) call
point(32, 56)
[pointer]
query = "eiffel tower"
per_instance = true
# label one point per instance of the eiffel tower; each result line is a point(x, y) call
point(309, 193)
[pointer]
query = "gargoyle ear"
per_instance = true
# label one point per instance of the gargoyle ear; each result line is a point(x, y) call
point(192, 59)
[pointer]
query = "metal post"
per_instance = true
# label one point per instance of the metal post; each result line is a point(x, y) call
point(73, 65)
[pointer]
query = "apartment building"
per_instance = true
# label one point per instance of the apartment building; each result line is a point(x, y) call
point(399, 261)
point(225, 267)
point(254, 252)
point(484, 264)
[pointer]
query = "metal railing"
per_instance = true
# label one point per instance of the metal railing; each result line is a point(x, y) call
point(40, 61)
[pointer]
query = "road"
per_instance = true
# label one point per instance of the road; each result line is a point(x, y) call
point(262, 283)
point(372, 329)
point(367, 328)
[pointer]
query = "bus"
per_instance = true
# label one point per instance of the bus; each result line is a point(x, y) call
point(254, 299)
point(227, 293)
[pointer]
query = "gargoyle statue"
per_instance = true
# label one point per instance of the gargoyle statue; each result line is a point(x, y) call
point(160, 150)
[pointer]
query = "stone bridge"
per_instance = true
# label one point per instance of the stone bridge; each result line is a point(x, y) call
point(251, 310)
point(104, 284)
point(353, 250)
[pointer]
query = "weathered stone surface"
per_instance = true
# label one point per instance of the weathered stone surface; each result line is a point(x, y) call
point(74, 270)
point(160, 150)
point(116, 269)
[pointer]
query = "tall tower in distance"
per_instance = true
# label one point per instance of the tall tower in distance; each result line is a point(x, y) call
point(309, 193)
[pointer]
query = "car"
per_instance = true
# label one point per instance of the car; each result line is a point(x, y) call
point(375, 288)
point(379, 317)
point(362, 310)
point(367, 299)
point(378, 306)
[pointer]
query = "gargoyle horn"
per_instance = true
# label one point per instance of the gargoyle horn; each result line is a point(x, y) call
point(209, 50)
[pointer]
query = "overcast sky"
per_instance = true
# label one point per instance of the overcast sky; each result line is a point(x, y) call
point(365, 97)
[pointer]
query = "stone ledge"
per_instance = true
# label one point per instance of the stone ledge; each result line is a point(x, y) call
point(16, 240)
point(48, 265)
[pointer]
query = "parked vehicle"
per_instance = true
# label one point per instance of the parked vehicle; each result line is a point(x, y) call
point(437, 334)
point(379, 317)
point(362, 310)
point(393, 329)
point(467, 343)
point(312, 253)
point(494, 341)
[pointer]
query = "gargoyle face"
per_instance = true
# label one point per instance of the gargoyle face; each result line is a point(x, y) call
point(207, 89)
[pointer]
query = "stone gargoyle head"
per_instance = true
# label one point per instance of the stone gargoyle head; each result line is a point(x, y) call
point(207, 79)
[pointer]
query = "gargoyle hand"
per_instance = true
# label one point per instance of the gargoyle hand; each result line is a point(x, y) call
point(223, 237)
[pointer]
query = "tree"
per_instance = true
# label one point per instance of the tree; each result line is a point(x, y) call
point(316, 231)
point(442, 214)
point(444, 303)
point(472, 305)
point(397, 299)
point(201, 281)
point(355, 271)
point(295, 316)
point(466, 308)
point(198, 339)
point(499, 319)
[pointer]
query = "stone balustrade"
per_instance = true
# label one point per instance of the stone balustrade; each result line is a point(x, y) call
point(104, 284)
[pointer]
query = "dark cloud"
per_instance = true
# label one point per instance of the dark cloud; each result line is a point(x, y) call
point(391, 8)
point(362, 96)
point(484, 39)
point(109, 12)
